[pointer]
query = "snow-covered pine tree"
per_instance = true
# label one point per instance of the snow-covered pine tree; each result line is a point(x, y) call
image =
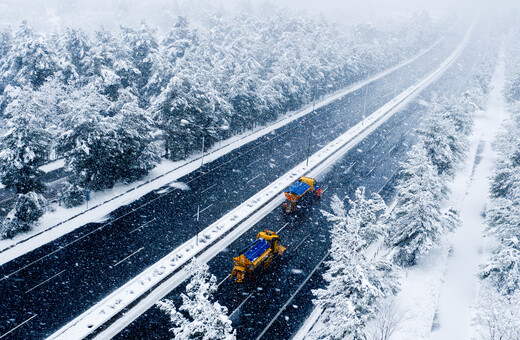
point(6, 41)
point(189, 97)
point(354, 281)
point(440, 138)
point(199, 317)
point(506, 172)
point(102, 149)
point(179, 39)
point(173, 47)
point(461, 111)
point(30, 61)
point(503, 214)
point(503, 218)
point(27, 210)
point(73, 55)
point(143, 50)
point(417, 221)
point(138, 153)
point(503, 268)
point(25, 147)
point(369, 212)
point(88, 139)
point(104, 53)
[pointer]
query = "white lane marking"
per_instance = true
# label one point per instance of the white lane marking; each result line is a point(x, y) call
point(5, 334)
point(7, 199)
point(200, 212)
point(285, 225)
point(368, 173)
point(299, 244)
point(292, 297)
point(221, 282)
point(41, 283)
point(203, 191)
point(258, 160)
point(129, 256)
point(389, 179)
point(350, 167)
point(252, 179)
point(239, 306)
point(144, 225)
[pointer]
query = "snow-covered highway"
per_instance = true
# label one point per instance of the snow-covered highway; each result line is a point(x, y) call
point(166, 274)
point(68, 280)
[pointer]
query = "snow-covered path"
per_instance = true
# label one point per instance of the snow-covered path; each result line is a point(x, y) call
point(458, 291)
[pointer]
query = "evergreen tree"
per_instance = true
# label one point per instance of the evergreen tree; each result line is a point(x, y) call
point(102, 149)
point(28, 209)
point(6, 41)
point(503, 268)
point(503, 218)
point(143, 50)
point(29, 61)
point(139, 154)
point(354, 281)
point(416, 221)
point(179, 39)
point(199, 317)
point(73, 54)
point(442, 142)
point(185, 98)
point(24, 148)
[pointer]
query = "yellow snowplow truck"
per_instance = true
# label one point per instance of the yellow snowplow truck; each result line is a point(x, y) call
point(299, 193)
point(257, 256)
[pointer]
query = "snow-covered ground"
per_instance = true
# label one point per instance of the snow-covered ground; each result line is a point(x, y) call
point(439, 294)
point(61, 221)
point(57, 164)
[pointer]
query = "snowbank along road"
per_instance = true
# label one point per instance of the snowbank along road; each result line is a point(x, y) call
point(141, 292)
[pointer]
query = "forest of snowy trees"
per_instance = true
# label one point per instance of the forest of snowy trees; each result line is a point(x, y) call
point(357, 279)
point(111, 103)
point(498, 315)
